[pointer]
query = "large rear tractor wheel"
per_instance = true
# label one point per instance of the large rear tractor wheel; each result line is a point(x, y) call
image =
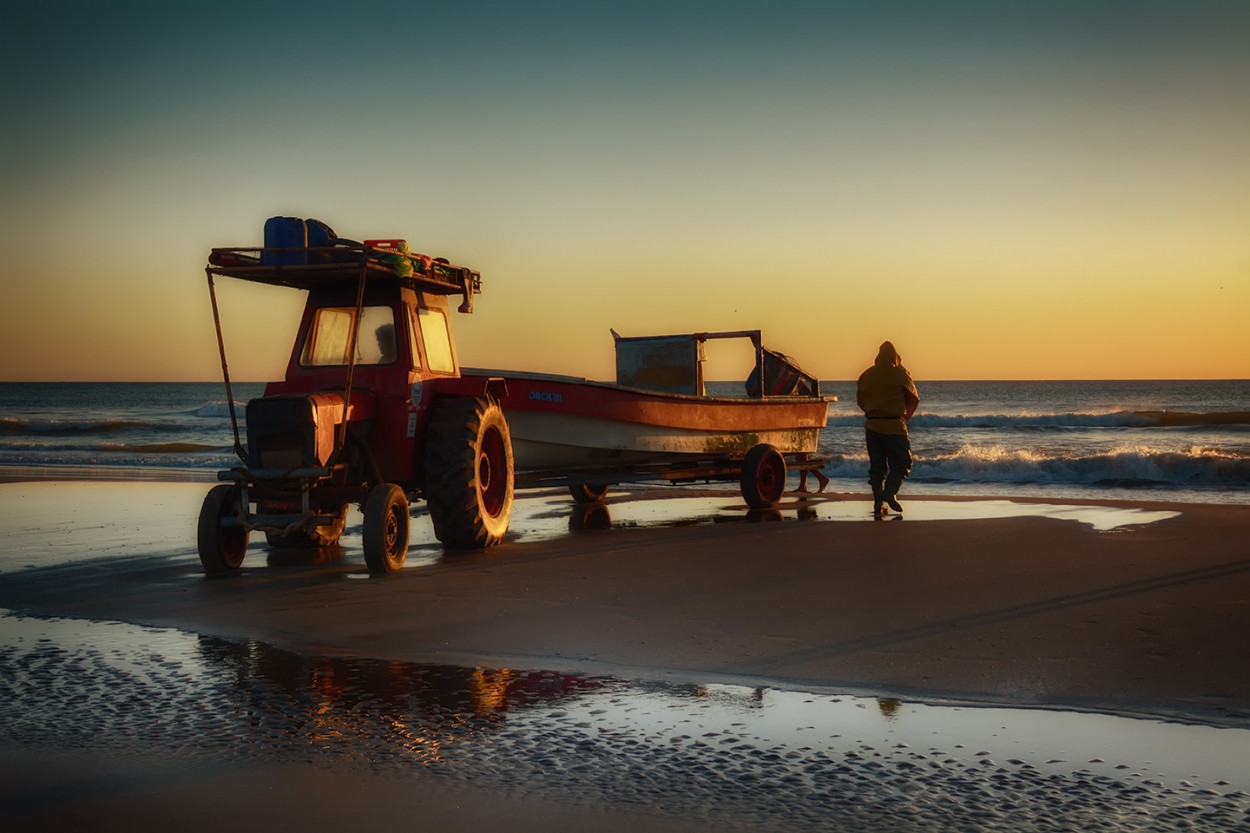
point(220, 536)
point(763, 477)
point(326, 535)
point(469, 473)
point(385, 530)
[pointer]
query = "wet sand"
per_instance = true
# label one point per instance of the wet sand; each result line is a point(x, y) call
point(1145, 616)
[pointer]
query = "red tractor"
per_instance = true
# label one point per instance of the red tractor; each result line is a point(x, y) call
point(372, 409)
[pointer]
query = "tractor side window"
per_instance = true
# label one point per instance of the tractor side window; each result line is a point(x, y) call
point(330, 336)
point(438, 355)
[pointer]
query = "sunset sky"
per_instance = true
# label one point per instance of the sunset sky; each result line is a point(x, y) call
point(1007, 190)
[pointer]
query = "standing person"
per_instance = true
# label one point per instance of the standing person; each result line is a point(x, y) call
point(887, 396)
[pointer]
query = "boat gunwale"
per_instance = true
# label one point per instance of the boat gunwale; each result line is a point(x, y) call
point(556, 378)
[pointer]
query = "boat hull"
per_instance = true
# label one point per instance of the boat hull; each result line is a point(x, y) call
point(563, 422)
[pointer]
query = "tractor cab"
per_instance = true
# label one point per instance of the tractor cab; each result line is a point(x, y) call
point(401, 342)
point(402, 334)
point(372, 368)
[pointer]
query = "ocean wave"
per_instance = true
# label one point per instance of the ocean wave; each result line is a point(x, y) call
point(1128, 466)
point(219, 409)
point(1114, 419)
point(88, 450)
point(15, 426)
point(166, 448)
point(11, 426)
point(198, 460)
point(1186, 418)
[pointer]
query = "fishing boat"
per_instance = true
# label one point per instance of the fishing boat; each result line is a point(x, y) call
point(657, 421)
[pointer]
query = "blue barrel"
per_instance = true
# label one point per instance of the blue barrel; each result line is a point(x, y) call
point(285, 233)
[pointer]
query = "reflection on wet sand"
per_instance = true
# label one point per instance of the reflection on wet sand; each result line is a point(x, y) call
point(408, 711)
point(538, 518)
point(738, 757)
point(296, 556)
point(889, 708)
point(550, 515)
point(597, 517)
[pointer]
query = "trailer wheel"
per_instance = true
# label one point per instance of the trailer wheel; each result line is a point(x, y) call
point(469, 473)
point(220, 538)
point(385, 530)
point(326, 535)
point(763, 476)
point(587, 492)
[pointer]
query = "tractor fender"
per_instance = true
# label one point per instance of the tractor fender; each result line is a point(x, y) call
point(487, 387)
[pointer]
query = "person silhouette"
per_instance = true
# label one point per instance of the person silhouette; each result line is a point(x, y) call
point(887, 395)
point(386, 343)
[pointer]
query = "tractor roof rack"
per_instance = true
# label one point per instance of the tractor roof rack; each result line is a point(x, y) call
point(345, 263)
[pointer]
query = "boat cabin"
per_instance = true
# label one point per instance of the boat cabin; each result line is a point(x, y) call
point(674, 364)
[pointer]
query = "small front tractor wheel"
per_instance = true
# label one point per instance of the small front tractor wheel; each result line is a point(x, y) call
point(588, 492)
point(763, 476)
point(220, 536)
point(385, 530)
point(469, 473)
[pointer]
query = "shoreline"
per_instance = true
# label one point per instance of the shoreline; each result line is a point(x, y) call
point(1024, 493)
point(123, 474)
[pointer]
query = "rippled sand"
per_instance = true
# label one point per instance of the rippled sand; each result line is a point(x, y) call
point(720, 756)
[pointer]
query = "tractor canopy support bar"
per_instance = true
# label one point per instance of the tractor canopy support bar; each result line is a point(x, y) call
point(353, 338)
point(225, 369)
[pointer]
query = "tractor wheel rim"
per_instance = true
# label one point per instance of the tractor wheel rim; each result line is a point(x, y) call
point(766, 479)
point(392, 530)
point(483, 472)
point(493, 459)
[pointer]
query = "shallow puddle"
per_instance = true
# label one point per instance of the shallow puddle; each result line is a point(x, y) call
point(757, 758)
point(1101, 518)
point(544, 516)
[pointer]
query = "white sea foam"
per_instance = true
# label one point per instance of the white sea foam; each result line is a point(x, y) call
point(1128, 465)
point(1024, 421)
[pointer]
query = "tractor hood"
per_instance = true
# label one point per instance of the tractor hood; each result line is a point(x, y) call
point(288, 432)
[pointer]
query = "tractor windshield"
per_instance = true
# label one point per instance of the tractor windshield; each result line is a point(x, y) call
point(329, 337)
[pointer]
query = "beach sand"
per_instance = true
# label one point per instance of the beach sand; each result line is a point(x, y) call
point(1146, 616)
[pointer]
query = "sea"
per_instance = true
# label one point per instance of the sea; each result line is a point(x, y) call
point(1186, 441)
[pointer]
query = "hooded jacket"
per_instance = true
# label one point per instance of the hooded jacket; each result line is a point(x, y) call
point(886, 394)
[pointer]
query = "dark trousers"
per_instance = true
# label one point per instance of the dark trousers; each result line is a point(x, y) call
point(889, 462)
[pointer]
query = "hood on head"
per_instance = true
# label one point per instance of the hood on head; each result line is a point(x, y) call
point(887, 355)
